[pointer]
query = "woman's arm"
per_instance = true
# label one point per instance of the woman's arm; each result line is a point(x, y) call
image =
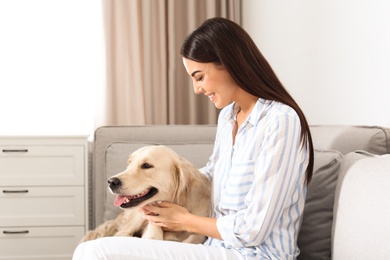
point(172, 217)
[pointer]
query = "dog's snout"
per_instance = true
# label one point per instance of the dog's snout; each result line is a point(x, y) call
point(114, 183)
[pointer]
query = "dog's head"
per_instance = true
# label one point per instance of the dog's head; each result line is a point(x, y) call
point(153, 173)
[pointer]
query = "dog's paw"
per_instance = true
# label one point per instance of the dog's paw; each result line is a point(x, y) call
point(91, 235)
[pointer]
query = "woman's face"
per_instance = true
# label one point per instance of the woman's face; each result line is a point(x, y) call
point(213, 81)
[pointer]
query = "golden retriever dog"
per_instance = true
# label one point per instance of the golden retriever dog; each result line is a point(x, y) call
point(155, 173)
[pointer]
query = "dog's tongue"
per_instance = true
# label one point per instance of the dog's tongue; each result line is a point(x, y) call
point(119, 200)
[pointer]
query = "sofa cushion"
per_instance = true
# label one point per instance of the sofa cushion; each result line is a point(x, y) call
point(117, 155)
point(314, 239)
point(345, 139)
point(361, 227)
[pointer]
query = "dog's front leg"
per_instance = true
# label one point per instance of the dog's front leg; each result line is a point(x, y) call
point(128, 230)
point(153, 232)
point(132, 223)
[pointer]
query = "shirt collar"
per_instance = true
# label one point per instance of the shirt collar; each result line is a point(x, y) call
point(254, 117)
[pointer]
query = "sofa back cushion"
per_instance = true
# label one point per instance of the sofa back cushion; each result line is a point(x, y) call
point(346, 139)
point(314, 239)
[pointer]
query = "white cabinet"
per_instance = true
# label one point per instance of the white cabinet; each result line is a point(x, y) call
point(43, 196)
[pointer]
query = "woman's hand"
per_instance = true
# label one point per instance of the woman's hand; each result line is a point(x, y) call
point(168, 216)
point(172, 217)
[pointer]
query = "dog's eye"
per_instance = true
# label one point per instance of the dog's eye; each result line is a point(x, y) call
point(146, 166)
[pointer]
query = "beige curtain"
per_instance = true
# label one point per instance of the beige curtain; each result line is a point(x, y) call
point(146, 80)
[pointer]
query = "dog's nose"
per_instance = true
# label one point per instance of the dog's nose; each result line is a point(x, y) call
point(114, 183)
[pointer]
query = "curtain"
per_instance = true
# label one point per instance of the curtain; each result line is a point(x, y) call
point(146, 79)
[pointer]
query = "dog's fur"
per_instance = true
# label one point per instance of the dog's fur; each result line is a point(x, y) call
point(159, 170)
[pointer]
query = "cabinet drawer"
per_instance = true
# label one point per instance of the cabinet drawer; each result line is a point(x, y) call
point(41, 165)
point(41, 206)
point(39, 243)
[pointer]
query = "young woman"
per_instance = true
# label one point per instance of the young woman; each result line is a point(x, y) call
point(260, 167)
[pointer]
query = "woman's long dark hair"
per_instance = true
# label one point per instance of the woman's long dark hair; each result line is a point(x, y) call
point(222, 41)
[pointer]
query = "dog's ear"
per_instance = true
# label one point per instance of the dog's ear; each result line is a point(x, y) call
point(181, 182)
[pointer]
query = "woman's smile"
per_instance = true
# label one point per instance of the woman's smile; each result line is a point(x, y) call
point(211, 97)
point(213, 81)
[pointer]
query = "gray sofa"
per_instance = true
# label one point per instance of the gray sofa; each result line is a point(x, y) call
point(347, 213)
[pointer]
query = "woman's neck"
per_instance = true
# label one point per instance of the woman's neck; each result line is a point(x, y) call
point(244, 107)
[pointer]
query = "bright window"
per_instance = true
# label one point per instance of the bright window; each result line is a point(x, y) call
point(51, 66)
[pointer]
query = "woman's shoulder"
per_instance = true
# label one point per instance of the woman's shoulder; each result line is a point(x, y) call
point(279, 109)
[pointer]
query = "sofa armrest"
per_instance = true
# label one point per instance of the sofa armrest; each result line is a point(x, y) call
point(361, 226)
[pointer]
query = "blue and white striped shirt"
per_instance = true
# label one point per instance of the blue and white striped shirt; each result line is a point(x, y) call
point(259, 181)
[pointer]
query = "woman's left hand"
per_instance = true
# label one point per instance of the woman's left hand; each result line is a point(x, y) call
point(168, 216)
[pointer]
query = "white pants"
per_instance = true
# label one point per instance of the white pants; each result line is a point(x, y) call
point(117, 248)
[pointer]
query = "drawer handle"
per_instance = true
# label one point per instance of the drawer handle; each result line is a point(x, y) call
point(15, 191)
point(15, 232)
point(15, 150)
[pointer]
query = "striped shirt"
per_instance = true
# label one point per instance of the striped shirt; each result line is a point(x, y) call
point(259, 181)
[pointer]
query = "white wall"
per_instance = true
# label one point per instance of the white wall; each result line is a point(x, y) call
point(51, 66)
point(333, 56)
